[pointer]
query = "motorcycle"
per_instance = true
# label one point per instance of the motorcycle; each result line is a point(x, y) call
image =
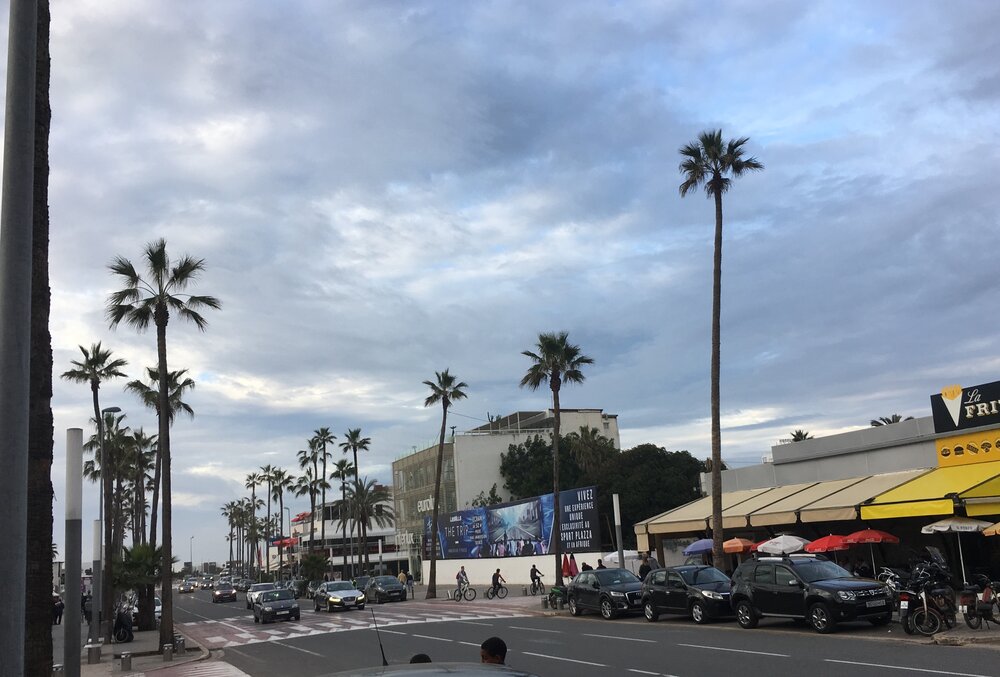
point(978, 603)
point(927, 603)
point(123, 624)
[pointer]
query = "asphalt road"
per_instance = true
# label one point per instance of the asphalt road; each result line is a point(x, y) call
point(588, 646)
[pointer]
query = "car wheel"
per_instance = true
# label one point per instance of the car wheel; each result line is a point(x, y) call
point(296, 618)
point(745, 615)
point(608, 611)
point(361, 608)
point(649, 611)
point(820, 619)
point(698, 613)
point(574, 610)
point(255, 619)
point(315, 605)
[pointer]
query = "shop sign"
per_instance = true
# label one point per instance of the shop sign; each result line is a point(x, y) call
point(956, 408)
point(978, 447)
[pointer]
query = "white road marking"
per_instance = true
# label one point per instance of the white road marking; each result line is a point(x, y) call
point(488, 625)
point(470, 644)
point(560, 658)
point(722, 648)
point(289, 646)
point(440, 639)
point(643, 672)
point(519, 627)
point(627, 639)
point(393, 632)
point(903, 667)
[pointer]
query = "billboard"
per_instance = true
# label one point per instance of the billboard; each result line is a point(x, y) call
point(519, 528)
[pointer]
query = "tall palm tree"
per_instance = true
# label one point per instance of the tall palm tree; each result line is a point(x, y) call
point(144, 463)
point(281, 482)
point(266, 476)
point(309, 461)
point(253, 481)
point(305, 485)
point(889, 420)
point(96, 367)
point(368, 502)
point(229, 511)
point(714, 163)
point(146, 300)
point(149, 394)
point(800, 435)
point(343, 471)
point(322, 437)
point(591, 449)
point(556, 361)
point(354, 443)
point(446, 388)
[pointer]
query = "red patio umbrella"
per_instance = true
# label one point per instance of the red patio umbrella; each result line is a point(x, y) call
point(870, 536)
point(737, 545)
point(565, 566)
point(753, 548)
point(828, 544)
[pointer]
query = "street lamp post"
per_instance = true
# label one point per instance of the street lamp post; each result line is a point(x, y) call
point(288, 534)
point(191, 553)
point(102, 569)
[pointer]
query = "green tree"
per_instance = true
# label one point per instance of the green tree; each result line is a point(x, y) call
point(139, 570)
point(484, 500)
point(309, 461)
point(254, 480)
point(713, 163)
point(342, 472)
point(889, 420)
point(323, 437)
point(368, 502)
point(354, 443)
point(151, 300)
point(445, 389)
point(591, 450)
point(312, 566)
point(266, 474)
point(527, 468)
point(556, 361)
point(281, 482)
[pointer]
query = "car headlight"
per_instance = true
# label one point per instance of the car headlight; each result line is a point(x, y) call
point(335, 599)
point(361, 596)
point(268, 609)
point(846, 595)
point(615, 593)
point(711, 594)
point(295, 607)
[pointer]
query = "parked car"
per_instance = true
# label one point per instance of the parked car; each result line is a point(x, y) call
point(385, 589)
point(274, 605)
point(807, 587)
point(207, 583)
point(242, 584)
point(224, 592)
point(186, 586)
point(253, 594)
point(338, 595)
point(312, 587)
point(361, 582)
point(701, 592)
point(609, 591)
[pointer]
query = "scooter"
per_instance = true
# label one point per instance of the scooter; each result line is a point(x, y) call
point(978, 603)
point(123, 625)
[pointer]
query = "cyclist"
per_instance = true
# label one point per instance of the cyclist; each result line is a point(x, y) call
point(463, 580)
point(497, 580)
point(536, 577)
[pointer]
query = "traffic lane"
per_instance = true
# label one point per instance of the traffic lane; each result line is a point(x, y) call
point(580, 647)
point(198, 606)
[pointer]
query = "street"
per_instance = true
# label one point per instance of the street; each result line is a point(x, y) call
point(322, 642)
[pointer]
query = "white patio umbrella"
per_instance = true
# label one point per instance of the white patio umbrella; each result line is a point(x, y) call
point(956, 525)
point(783, 545)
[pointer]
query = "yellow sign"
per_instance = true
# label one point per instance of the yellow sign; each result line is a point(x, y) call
point(969, 448)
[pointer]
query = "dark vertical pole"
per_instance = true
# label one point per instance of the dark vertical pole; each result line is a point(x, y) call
point(74, 554)
point(15, 317)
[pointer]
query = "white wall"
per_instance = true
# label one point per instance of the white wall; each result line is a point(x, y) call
point(515, 569)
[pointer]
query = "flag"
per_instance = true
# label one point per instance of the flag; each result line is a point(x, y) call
point(573, 570)
point(565, 566)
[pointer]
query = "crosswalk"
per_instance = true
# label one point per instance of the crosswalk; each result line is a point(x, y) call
point(209, 669)
point(241, 630)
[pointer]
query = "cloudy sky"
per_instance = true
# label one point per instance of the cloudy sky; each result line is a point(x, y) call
point(382, 189)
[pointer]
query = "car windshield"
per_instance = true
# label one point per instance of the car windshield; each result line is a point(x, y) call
point(616, 576)
point(275, 595)
point(339, 586)
point(386, 580)
point(818, 570)
point(224, 587)
point(703, 576)
point(257, 587)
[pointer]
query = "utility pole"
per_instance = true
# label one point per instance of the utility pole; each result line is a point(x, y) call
point(74, 547)
point(16, 211)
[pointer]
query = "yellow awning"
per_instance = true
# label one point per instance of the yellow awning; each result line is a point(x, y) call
point(786, 510)
point(736, 517)
point(693, 516)
point(843, 504)
point(982, 499)
point(933, 493)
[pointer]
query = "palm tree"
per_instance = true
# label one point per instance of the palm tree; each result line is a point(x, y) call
point(149, 395)
point(799, 435)
point(281, 482)
point(555, 362)
point(305, 485)
point(96, 367)
point(144, 458)
point(714, 163)
point(229, 511)
point(354, 442)
point(367, 501)
point(343, 471)
point(445, 389)
point(253, 481)
point(265, 474)
point(309, 461)
point(889, 420)
point(322, 437)
point(591, 449)
point(151, 300)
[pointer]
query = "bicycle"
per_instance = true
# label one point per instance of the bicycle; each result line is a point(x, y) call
point(465, 590)
point(537, 587)
point(501, 592)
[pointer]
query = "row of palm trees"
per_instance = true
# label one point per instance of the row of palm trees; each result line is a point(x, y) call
point(362, 500)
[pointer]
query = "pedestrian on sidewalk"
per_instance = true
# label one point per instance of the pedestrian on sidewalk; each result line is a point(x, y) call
point(57, 609)
point(409, 583)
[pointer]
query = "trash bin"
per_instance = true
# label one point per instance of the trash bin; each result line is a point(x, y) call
point(545, 602)
point(126, 660)
point(168, 653)
point(93, 654)
point(179, 645)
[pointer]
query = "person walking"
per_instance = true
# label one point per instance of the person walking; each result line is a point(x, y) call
point(57, 609)
point(409, 583)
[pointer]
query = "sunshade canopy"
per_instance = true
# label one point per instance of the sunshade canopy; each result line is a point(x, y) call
point(828, 544)
point(934, 493)
point(699, 547)
point(737, 545)
point(782, 545)
point(870, 536)
point(693, 516)
point(955, 524)
point(785, 510)
point(736, 516)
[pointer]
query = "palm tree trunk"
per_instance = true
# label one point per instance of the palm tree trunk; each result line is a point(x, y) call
point(270, 530)
point(107, 462)
point(432, 574)
point(343, 524)
point(155, 504)
point(38, 580)
point(556, 535)
point(163, 443)
point(322, 510)
point(717, 535)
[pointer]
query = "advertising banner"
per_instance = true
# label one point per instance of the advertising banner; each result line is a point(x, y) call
point(519, 528)
point(957, 409)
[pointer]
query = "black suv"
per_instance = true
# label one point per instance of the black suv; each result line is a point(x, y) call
point(610, 591)
point(807, 587)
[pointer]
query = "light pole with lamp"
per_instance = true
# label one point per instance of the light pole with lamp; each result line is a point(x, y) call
point(287, 535)
point(191, 553)
point(101, 609)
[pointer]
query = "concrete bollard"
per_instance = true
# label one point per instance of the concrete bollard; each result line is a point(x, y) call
point(451, 594)
point(126, 660)
point(179, 645)
point(93, 654)
point(168, 653)
point(57, 670)
point(560, 603)
point(545, 602)
point(524, 591)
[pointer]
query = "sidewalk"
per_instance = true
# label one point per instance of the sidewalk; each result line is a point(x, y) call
point(144, 649)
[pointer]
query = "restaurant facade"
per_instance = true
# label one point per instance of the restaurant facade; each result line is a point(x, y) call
point(897, 478)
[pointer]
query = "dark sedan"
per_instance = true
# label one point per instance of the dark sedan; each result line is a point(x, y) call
point(699, 591)
point(385, 589)
point(610, 592)
point(275, 605)
point(224, 592)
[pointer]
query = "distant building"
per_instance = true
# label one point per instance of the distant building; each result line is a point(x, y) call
point(471, 466)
